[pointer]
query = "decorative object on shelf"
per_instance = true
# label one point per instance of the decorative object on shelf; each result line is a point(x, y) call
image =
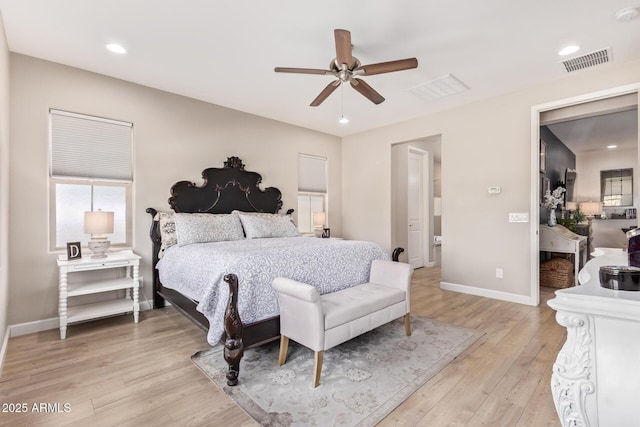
point(545, 185)
point(74, 250)
point(551, 201)
point(98, 223)
point(326, 233)
point(319, 218)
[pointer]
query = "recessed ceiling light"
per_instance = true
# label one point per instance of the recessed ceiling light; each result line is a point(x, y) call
point(611, 146)
point(568, 50)
point(116, 48)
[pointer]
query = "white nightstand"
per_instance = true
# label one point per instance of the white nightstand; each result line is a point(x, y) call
point(126, 259)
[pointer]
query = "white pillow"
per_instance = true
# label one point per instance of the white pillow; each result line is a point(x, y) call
point(267, 225)
point(205, 227)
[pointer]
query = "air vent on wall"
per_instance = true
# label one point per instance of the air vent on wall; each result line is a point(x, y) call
point(589, 60)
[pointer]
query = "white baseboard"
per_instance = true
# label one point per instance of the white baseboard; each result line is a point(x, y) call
point(52, 323)
point(35, 326)
point(3, 350)
point(487, 293)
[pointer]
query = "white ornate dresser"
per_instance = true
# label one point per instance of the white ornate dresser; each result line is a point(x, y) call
point(596, 377)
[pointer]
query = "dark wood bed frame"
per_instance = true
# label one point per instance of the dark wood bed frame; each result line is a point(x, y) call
point(224, 190)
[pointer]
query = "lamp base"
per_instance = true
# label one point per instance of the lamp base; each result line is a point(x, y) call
point(99, 247)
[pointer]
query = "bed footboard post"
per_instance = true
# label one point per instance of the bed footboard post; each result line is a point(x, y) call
point(395, 255)
point(233, 345)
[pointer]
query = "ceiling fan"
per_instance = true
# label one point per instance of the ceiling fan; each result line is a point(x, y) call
point(348, 68)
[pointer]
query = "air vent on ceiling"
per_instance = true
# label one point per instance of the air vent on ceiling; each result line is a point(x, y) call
point(589, 60)
point(439, 88)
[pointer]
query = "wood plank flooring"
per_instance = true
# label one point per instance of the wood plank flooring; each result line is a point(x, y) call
point(113, 372)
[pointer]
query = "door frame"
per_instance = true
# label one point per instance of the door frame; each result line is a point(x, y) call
point(425, 204)
point(535, 170)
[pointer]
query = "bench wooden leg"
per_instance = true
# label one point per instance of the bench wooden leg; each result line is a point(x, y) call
point(284, 345)
point(317, 369)
point(407, 324)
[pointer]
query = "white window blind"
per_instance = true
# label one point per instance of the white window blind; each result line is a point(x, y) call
point(90, 147)
point(312, 174)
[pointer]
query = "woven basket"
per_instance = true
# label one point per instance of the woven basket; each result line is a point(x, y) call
point(556, 273)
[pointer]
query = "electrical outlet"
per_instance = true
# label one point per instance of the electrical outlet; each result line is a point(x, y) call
point(499, 273)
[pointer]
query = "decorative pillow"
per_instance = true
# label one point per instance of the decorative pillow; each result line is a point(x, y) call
point(264, 215)
point(204, 227)
point(260, 226)
point(167, 227)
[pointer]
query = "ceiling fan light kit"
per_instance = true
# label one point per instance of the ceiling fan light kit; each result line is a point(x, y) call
point(347, 68)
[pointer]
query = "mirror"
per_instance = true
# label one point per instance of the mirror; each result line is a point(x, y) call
point(570, 184)
point(616, 187)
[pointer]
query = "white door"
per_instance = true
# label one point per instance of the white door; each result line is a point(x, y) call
point(415, 208)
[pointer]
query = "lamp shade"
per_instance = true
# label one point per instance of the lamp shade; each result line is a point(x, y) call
point(591, 208)
point(319, 219)
point(572, 206)
point(98, 222)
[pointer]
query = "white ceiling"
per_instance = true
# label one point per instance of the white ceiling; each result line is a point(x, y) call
point(224, 52)
point(596, 133)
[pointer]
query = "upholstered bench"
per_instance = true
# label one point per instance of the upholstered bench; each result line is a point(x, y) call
point(321, 322)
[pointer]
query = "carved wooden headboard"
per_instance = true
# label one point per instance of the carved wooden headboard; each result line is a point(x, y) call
point(224, 190)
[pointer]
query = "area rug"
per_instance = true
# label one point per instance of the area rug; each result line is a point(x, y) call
point(362, 380)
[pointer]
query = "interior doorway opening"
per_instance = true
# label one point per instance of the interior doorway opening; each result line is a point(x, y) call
point(416, 195)
point(589, 105)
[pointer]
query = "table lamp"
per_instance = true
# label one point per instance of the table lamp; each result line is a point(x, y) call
point(98, 223)
point(319, 219)
point(591, 209)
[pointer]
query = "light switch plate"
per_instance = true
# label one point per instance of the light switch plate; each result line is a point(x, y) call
point(495, 190)
point(519, 217)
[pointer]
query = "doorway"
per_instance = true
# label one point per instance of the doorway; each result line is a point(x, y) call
point(570, 108)
point(415, 195)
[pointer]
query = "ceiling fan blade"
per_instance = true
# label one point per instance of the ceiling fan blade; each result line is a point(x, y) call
point(343, 48)
point(367, 91)
point(328, 90)
point(303, 71)
point(386, 67)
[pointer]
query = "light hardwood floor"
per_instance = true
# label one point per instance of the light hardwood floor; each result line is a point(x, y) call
point(113, 372)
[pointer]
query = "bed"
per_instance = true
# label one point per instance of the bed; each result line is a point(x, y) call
point(191, 271)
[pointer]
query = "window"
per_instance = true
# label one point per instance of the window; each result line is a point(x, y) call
point(312, 190)
point(616, 187)
point(91, 168)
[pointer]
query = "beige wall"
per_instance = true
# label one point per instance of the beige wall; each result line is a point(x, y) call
point(175, 138)
point(484, 144)
point(4, 184)
point(606, 233)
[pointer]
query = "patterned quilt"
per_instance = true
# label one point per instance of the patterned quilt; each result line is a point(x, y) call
point(197, 272)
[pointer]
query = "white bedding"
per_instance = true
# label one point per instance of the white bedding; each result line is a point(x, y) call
point(197, 271)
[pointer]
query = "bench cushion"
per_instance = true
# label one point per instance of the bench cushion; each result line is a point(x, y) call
point(352, 303)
